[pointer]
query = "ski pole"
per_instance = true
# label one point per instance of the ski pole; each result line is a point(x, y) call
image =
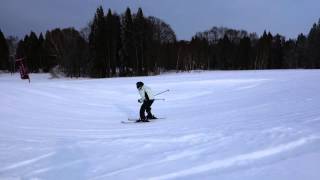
point(162, 92)
point(162, 99)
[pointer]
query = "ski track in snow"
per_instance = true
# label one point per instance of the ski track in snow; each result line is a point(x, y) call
point(218, 125)
point(26, 162)
point(237, 160)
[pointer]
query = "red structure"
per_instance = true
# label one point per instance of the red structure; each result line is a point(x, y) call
point(24, 73)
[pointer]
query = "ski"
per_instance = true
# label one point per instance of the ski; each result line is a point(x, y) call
point(135, 119)
point(127, 122)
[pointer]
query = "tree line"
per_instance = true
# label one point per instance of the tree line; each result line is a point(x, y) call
point(131, 44)
point(229, 49)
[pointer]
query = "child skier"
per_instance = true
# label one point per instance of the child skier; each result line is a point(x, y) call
point(147, 98)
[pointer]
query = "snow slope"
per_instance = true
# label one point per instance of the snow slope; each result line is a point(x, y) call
point(224, 125)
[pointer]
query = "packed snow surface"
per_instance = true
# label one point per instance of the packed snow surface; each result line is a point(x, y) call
point(224, 125)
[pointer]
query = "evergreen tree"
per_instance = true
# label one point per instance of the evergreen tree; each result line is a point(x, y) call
point(200, 52)
point(116, 44)
point(276, 60)
point(30, 49)
point(300, 51)
point(289, 54)
point(263, 54)
point(244, 54)
point(224, 55)
point(313, 46)
point(109, 42)
point(128, 44)
point(4, 53)
point(140, 32)
point(12, 43)
point(20, 52)
point(41, 53)
point(98, 45)
point(32, 52)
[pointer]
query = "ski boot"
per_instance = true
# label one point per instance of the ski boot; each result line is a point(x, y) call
point(150, 116)
point(142, 120)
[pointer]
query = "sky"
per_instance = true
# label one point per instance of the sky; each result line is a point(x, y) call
point(186, 17)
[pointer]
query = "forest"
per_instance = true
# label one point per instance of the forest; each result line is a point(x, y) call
point(131, 44)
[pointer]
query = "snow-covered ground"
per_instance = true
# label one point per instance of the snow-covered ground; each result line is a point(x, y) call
point(224, 125)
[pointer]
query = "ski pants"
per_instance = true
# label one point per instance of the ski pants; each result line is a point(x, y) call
point(146, 106)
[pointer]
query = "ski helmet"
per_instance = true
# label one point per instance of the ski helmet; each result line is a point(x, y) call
point(139, 84)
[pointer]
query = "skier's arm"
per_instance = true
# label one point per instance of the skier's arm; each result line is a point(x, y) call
point(141, 92)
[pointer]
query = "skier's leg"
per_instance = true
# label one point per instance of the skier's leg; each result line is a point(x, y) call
point(142, 110)
point(148, 109)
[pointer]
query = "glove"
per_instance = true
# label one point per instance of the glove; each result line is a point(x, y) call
point(140, 100)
